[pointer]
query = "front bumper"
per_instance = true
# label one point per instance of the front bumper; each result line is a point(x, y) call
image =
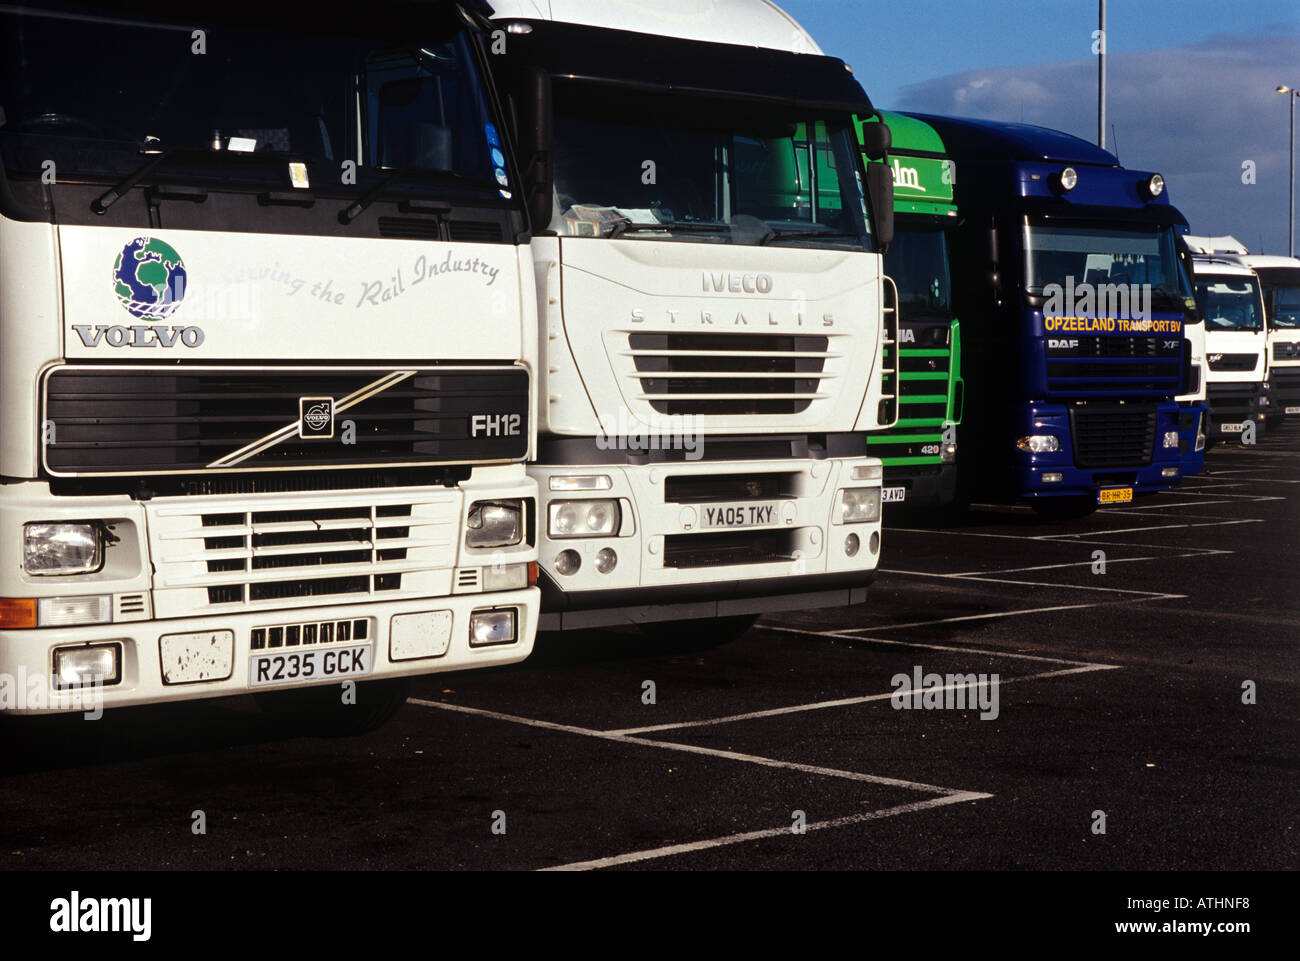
point(27, 656)
point(1132, 455)
point(665, 550)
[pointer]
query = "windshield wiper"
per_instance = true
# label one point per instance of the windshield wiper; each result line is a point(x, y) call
point(627, 227)
point(355, 209)
point(120, 189)
point(784, 234)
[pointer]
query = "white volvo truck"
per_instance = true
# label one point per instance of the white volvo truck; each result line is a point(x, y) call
point(269, 334)
point(717, 334)
point(1228, 295)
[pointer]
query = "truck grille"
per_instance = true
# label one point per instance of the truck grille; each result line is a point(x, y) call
point(1113, 437)
point(1233, 362)
point(131, 420)
point(1082, 365)
point(1287, 350)
point(296, 548)
point(728, 374)
point(684, 551)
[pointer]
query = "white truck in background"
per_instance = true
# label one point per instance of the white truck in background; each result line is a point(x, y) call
point(1279, 278)
point(1236, 340)
point(717, 333)
point(269, 344)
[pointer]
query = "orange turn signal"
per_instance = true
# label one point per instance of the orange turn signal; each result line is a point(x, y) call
point(532, 573)
point(17, 612)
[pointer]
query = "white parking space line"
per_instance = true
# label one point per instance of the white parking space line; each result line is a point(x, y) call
point(1150, 595)
point(843, 702)
point(784, 831)
point(689, 748)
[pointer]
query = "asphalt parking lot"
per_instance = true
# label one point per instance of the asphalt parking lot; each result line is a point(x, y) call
point(1120, 693)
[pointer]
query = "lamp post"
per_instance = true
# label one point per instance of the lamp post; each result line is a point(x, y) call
point(1292, 94)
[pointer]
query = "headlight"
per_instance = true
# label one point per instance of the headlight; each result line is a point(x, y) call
point(1154, 186)
point(1068, 179)
point(859, 505)
point(1171, 438)
point(584, 519)
point(494, 524)
point(1039, 444)
point(62, 549)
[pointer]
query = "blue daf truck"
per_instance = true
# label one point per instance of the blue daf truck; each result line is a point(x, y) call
point(1073, 291)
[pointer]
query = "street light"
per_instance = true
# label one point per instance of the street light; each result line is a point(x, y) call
point(1290, 233)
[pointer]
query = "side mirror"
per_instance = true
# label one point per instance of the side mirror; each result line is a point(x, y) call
point(880, 195)
point(876, 140)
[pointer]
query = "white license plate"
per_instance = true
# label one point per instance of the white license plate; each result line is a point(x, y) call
point(1293, 410)
point(894, 495)
point(1232, 428)
point(739, 515)
point(289, 666)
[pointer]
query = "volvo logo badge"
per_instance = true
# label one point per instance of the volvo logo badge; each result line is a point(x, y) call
point(316, 418)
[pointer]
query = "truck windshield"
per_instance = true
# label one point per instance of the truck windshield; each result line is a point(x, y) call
point(88, 94)
point(917, 261)
point(1071, 256)
point(661, 168)
point(1281, 295)
point(1230, 303)
point(1286, 307)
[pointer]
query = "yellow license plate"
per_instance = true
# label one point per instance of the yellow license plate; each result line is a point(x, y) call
point(1115, 495)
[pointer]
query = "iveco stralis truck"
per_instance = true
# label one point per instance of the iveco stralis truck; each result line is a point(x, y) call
point(269, 328)
point(920, 453)
point(712, 298)
point(1279, 278)
point(1070, 285)
point(1229, 296)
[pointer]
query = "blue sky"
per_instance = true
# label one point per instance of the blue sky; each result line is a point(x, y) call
point(1192, 83)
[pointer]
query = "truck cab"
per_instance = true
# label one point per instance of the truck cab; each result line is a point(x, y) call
point(270, 344)
point(707, 252)
point(1279, 279)
point(1236, 341)
point(920, 452)
point(1073, 299)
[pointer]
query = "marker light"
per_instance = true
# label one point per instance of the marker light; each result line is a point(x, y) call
point(1039, 444)
point(868, 472)
point(591, 482)
point(1171, 438)
point(948, 454)
point(1169, 472)
point(1053, 477)
point(66, 611)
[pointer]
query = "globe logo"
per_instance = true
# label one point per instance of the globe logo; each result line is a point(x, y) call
point(149, 279)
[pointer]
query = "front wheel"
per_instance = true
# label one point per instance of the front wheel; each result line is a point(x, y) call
point(1065, 508)
point(701, 634)
point(335, 711)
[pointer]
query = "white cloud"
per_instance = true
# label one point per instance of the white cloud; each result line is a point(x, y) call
point(1193, 113)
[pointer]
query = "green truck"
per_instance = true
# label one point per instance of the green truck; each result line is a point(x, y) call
point(920, 452)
